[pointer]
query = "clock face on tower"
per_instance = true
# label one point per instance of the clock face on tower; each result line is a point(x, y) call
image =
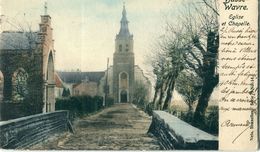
point(20, 89)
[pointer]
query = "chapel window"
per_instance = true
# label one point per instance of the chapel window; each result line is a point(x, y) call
point(20, 88)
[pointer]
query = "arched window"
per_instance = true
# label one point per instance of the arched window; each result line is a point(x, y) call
point(126, 48)
point(124, 76)
point(1, 86)
point(49, 88)
point(20, 88)
point(50, 70)
point(120, 48)
point(123, 81)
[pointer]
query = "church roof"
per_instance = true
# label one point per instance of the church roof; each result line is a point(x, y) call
point(58, 81)
point(77, 77)
point(15, 40)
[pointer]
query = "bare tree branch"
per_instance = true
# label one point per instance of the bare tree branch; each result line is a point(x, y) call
point(192, 66)
point(196, 58)
point(213, 9)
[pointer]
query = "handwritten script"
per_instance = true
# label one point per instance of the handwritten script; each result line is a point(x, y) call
point(238, 75)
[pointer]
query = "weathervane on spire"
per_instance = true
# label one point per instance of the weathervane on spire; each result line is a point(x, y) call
point(45, 8)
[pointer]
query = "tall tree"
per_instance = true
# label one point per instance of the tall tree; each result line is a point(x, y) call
point(196, 41)
point(140, 94)
point(167, 65)
point(205, 39)
point(188, 85)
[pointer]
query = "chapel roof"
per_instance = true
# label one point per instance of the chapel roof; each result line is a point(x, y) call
point(58, 81)
point(16, 40)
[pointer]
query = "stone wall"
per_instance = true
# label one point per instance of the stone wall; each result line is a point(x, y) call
point(26, 131)
point(16, 112)
point(174, 133)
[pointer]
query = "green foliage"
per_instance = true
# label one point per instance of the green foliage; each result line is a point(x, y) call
point(79, 105)
point(211, 119)
point(187, 116)
point(33, 101)
point(66, 92)
point(149, 108)
point(109, 101)
point(140, 95)
point(31, 62)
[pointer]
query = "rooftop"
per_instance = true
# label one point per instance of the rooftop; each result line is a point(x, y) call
point(77, 77)
point(18, 40)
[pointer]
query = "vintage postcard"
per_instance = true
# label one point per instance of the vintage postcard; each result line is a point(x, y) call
point(129, 75)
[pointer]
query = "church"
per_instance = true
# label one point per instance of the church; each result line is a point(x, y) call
point(123, 63)
point(30, 82)
point(119, 80)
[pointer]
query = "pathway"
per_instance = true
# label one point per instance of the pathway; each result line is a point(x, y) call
point(120, 127)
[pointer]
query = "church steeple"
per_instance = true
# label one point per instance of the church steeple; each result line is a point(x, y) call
point(124, 31)
point(45, 8)
point(123, 63)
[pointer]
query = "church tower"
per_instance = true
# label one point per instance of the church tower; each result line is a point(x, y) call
point(123, 63)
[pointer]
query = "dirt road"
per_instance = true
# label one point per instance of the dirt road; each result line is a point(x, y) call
point(120, 127)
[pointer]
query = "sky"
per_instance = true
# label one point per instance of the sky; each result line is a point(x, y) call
point(84, 30)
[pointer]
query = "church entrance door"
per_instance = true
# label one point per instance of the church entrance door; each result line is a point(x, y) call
point(123, 96)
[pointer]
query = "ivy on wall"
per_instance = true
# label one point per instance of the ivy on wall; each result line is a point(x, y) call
point(32, 101)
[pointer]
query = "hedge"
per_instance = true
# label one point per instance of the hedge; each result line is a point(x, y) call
point(79, 105)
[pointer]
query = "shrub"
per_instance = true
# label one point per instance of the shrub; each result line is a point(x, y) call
point(211, 119)
point(79, 105)
point(187, 116)
point(149, 108)
point(109, 101)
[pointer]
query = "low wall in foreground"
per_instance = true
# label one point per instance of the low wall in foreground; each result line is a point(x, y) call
point(174, 133)
point(27, 131)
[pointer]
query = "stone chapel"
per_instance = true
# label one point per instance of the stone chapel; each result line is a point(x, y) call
point(27, 70)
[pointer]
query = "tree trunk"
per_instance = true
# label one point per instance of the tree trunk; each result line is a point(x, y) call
point(162, 93)
point(159, 103)
point(190, 107)
point(190, 112)
point(155, 96)
point(199, 115)
point(210, 78)
point(169, 94)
